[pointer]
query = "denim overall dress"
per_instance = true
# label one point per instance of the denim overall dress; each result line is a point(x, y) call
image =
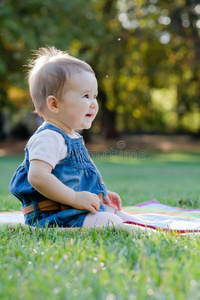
point(76, 170)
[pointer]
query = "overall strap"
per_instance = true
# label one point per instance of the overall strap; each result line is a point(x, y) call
point(54, 128)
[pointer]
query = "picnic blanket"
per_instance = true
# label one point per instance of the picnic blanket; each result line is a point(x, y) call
point(155, 215)
point(148, 215)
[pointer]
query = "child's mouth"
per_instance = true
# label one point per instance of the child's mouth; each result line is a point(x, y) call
point(88, 115)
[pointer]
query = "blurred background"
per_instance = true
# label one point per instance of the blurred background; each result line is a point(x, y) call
point(145, 53)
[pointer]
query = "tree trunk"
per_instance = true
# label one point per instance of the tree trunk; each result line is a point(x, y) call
point(108, 118)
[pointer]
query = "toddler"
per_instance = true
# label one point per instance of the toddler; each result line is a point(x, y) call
point(58, 183)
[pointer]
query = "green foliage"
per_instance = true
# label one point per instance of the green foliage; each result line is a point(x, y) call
point(135, 47)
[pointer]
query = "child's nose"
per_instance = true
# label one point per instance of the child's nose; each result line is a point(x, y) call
point(93, 103)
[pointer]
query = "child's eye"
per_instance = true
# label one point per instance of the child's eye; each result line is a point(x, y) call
point(86, 96)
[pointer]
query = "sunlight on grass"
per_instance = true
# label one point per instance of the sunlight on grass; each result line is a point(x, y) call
point(96, 265)
point(40, 264)
point(171, 178)
point(147, 157)
point(188, 157)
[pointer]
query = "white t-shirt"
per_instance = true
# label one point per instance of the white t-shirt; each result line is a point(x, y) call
point(48, 146)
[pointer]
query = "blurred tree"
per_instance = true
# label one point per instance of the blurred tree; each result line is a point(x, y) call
point(26, 26)
point(138, 49)
point(167, 36)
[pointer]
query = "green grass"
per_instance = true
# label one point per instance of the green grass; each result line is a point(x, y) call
point(107, 264)
point(167, 177)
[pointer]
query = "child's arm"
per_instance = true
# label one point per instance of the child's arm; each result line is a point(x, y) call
point(41, 178)
point(113, 198)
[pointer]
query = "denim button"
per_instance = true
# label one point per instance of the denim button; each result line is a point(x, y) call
point(101, 181)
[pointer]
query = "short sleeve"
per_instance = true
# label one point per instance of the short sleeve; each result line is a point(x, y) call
point(48, 146)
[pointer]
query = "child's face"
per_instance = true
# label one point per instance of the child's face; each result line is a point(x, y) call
point(79, 106)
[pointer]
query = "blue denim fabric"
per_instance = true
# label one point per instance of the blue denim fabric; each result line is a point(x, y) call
point(77, 171)
point(65, 218)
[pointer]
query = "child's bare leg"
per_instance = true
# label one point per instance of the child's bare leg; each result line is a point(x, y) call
point(101, 218)
point(124, 216)
point(111, 216)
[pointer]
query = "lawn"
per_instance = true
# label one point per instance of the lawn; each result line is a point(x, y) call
point(108, 264)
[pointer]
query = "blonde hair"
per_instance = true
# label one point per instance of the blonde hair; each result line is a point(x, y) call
point(50, 73)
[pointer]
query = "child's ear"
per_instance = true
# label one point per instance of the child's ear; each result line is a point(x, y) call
point(52, 104)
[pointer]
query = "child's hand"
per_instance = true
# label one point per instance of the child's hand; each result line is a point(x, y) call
point(113, 198)
point(41, 178)
point(87, 200)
